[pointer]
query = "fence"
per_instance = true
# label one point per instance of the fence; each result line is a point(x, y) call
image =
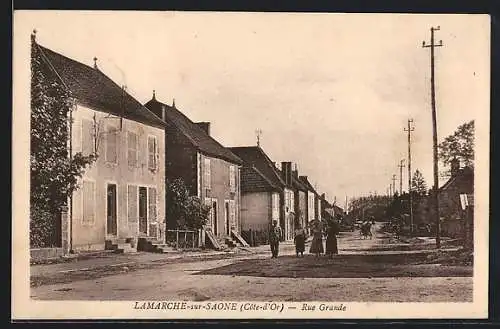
point(182, 239)
point(256, 237)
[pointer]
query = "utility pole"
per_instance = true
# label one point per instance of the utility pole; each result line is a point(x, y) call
point(401, 166)
point(393, 184)
point(434, 135)
point(410, 201)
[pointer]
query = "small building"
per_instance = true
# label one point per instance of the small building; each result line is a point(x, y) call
point(314, 204)
point(262, 190)
point(211, 171)
point(120, 196)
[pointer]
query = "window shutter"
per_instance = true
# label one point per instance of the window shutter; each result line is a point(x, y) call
point(111, 145)
point(132, 203)
point(88, 202)
point(132, 149)
point(87, 137)
point(151, 152)
point(207, 173)
point(232, 213)
point(152, 204)
point(232, 178)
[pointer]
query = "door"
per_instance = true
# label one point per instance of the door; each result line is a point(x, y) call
point(215, 219)
point(111, 210)
point(143, 211)
point(227, 216)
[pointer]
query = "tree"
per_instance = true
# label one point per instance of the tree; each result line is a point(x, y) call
point(459, 145)
point(184, 211)
point(53, 173)
point(418, 185)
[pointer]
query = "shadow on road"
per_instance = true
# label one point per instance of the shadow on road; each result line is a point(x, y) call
point(343, 266)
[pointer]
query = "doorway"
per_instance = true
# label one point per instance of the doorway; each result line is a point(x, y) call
point(143, 211)
point(111, 210)
point(214, 218)
point(227, 216)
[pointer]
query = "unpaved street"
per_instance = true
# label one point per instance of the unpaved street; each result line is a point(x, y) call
point(360, 273)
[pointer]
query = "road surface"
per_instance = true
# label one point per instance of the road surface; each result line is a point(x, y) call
point(359, 274)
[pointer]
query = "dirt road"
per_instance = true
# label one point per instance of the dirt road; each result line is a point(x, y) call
point(359, 273)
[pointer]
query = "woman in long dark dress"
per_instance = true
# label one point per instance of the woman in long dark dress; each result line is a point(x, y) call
point(317, 241)
point(300, 241)
point(331, 240)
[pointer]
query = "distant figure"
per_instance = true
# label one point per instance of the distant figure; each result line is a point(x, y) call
point(331, 239)
point(274, 239)
point(366, 230)
point(317, 241)
point(300, 241)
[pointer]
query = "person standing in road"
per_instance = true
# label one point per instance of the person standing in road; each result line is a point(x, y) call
point(331, 239)
point(300, 240)
point(317, 241)
point(274, 239)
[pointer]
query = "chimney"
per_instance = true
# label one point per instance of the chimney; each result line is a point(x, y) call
point(455, 167)
point(205, 126)
point(323, 196)
point(163, 112)
point(286, 170)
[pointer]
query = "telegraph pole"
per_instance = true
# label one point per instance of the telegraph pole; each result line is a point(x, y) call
point(432, 45)
point(410, 203)
point(401, 166)
point(393, 184)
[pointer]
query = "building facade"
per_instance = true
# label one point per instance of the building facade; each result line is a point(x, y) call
point(119, 195)
point(209, 170)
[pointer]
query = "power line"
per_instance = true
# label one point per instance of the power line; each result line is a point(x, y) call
point(432, 45)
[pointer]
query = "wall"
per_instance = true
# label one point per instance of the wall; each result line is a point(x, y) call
point(310, 206)
point(92, 236)
point(220, 189)
point(256, 211)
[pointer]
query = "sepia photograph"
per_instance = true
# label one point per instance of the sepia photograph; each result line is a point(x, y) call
point(175, 164)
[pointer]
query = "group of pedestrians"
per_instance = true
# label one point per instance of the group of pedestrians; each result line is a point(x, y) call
point(318, 231)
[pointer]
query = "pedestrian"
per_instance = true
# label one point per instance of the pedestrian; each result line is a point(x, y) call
point(274, 239)
point(331, 239)
point(317, 241)
point(300, 240)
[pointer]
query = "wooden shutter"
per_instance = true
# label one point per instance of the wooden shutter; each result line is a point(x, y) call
point(87, 137)
point(151, 152)
point(132, 149)
point(207, 173)
point(88, 202)
point(132, 203)
point(232, 213)
point(111, 144)
point(152, 204)
point(232, 178)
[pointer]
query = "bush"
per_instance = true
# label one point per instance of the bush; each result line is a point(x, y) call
point(44, 229)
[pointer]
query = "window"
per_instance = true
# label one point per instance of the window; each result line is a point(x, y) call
point(87, 137)
point(275, 205)
point(152, 204)
point(232, 178)
point(132, 203)
point(208, 203)
point(207, 175)
point(132, 149)
point(111, 144)
point(88, 216)
point(152, 152)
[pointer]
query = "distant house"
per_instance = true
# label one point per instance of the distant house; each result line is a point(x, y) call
point(300, 196)
point(119, 195)
point(262, 190)
point(211, 171)
point(460, 182)
point(327, 209)
point(314, 205)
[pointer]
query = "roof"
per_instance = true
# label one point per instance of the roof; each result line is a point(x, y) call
point(255, 157)
point(196, 135)
point(92, 88)
point(298, 184)
point(465, 173)
point(309, 186)
point(252, 180)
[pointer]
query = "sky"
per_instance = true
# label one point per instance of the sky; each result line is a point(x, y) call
point(330, 92)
